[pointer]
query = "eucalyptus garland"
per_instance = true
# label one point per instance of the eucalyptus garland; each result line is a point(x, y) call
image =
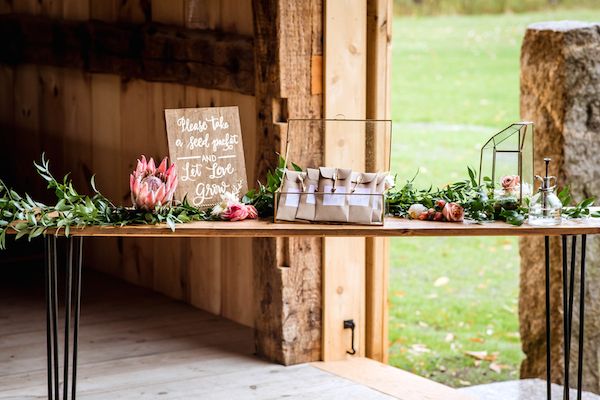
point(30, 218)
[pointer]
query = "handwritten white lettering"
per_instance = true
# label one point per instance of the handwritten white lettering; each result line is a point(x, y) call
point(218, 171)
point(225, 143)
point(186, 125)
point(190, 171)
point(209, 191)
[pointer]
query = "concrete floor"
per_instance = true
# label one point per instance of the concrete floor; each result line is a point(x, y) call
point(527, 389)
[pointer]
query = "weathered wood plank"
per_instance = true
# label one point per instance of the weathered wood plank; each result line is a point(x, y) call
point(379, 35)
point(106, 143)
point(288, 326)
point(7, 114)
point(133, 347)
point(345, 95)
point(392, 381)
point(154, 52)
point(137, 261)
point(393, 227)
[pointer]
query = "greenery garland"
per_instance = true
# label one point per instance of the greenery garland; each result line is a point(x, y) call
point(31, 218)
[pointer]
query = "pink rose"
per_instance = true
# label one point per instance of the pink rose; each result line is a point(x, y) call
point(438, 216)
point(510, 181)
point(453, 212)
point(440, 203)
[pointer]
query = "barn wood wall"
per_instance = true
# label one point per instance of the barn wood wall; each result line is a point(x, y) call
point(100, 123)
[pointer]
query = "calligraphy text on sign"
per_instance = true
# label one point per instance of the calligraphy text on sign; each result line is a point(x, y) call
point(206, 144)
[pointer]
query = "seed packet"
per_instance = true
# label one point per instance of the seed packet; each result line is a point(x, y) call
point(332, 199)
point(378, 201)
point(361, 197)
point(307, 206)
point(289, 199)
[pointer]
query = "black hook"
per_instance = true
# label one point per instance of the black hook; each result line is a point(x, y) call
point(349, 324)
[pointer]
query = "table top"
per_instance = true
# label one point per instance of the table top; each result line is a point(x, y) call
point(393, 227)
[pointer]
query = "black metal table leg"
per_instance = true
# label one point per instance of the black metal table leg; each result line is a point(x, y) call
point(49, 314)
point(54, 300)
point(581, 318)
point(72, 311)
point(566, 327)
point(568, 294)
point(548, 338)
point(77, 305)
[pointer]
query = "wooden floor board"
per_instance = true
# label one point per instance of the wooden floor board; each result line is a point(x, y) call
point(136, 344)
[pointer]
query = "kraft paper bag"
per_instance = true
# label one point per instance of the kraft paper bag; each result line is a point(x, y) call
point(307, 206)
point(378, 201)
point(332, 199)
point(361, 199)
point(289, 199)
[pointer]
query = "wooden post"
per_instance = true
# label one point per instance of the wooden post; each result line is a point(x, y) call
point(379, 36)
point(345, 97)
point(287, 275)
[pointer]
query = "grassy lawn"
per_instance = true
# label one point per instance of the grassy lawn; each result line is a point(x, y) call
point(455, 83)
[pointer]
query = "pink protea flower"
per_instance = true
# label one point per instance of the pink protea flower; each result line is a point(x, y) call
point(150, 186)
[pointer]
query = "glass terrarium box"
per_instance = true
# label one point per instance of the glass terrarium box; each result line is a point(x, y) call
point(345, 176)
point(506, 163)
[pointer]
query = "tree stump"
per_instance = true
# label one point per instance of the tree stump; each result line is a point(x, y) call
point(560, 93)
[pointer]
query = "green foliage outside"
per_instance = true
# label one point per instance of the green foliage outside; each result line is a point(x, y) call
point(472, 7)
point(455, 82)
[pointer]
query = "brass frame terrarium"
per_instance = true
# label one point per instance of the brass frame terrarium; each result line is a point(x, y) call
point(506, 162)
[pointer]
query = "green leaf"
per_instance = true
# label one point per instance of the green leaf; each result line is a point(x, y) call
point(472, 176)
point(297, 168)
point(587, 202)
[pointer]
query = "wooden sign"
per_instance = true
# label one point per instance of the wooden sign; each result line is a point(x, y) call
point(206, 146)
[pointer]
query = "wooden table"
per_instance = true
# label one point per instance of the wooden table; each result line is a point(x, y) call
point(394, 227)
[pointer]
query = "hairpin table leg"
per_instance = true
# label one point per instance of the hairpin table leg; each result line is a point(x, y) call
point(581, 318)
point(548, 351)
point(72, 310)
point(77, 304)
point(49, 314)
point(568, 292)
point(54, 305)
point(566, 328)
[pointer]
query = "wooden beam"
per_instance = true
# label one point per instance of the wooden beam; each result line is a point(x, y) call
point(154, 52)
point(287, 272)
point(345, 97)
point(379, 40)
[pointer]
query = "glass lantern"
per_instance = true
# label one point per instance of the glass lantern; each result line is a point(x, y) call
point(506, 163)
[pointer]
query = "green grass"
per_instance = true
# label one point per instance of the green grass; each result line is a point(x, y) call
point(436, 7)
point(455, 82)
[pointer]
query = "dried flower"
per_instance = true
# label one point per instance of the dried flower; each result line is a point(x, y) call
point(453, 212)
point(150, 186)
